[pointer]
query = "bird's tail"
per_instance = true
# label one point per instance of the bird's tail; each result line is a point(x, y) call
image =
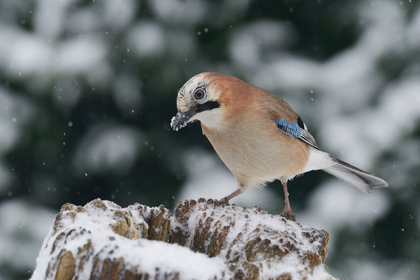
point(354, 176)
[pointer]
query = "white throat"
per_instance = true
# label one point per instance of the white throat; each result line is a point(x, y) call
point(211, 118)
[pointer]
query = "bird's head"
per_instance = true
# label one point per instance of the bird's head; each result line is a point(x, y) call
point(198, 99)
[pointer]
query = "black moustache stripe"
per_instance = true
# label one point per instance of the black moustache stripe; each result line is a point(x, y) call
point(209, 105)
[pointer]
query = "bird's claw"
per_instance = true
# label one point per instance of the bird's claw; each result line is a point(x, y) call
point(288, 214)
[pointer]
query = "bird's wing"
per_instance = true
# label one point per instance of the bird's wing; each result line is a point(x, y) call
point(297, 130)
point(286, 118)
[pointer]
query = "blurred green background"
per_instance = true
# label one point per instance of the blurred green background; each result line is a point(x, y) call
point(88, 88)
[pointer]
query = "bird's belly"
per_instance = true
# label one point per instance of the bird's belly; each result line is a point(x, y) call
point(257, 160)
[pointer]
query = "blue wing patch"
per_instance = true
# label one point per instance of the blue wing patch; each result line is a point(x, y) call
point(297, 130)
point(290, 128)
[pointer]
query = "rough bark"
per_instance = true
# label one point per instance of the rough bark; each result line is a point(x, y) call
point(101, 240)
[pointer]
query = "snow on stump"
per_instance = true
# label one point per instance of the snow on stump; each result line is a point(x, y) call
point(202, 240)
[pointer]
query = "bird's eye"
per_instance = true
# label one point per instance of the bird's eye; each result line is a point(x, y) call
point(199, 93)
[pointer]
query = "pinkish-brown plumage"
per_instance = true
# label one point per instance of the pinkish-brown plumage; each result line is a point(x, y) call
point(249, 114)
point(240, 122)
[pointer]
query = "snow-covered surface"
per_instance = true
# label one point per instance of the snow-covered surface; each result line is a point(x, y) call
point(251, 223)
point(94, 225)
point(144, 255)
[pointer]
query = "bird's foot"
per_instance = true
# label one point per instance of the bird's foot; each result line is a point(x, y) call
point(288, 214)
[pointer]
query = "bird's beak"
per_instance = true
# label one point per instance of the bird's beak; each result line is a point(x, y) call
point(180, 120)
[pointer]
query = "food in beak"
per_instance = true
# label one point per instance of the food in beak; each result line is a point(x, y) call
point(180, 120)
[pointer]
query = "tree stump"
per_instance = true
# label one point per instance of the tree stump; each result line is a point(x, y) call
point(202, 240)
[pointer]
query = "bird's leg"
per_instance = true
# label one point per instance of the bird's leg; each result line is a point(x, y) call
point(226, 199)
point(287, 211)
point(234, 194)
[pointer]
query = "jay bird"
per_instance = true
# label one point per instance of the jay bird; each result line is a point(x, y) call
point(258, 136)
